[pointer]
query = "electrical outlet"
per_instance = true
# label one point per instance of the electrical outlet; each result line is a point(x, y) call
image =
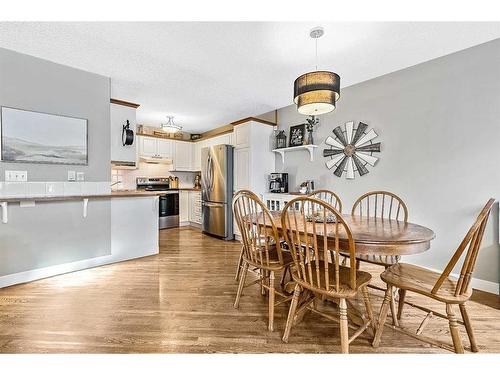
point(16, 176)
point(80, 176)
point(71, 176)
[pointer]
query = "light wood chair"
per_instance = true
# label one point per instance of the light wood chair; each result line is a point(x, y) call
point(329, 197)
point(317, 271)
point(439, 287)
point(387, 205)
point(261, 248)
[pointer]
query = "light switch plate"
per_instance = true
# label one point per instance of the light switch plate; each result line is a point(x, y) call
point(16, 176)
point(71, 176)
point(80, 176)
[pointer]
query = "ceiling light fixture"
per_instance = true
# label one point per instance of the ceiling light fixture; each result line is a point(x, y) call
point(316, 93)
point(170, 127)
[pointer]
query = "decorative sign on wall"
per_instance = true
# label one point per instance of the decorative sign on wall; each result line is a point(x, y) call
point(297, 134)
point(351, 150)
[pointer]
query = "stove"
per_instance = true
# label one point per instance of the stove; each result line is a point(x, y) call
point(168, 212)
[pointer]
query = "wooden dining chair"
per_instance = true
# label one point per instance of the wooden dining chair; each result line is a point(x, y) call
point(315, 248)
point(386, 205)
point(439, 287)
point(329, 197)
point(261, 248)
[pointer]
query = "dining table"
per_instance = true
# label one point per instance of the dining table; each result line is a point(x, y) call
point(373, 236)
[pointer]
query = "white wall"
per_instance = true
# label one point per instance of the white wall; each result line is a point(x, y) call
point(439, 124)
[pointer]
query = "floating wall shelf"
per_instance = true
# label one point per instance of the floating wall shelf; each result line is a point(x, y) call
point(309, 148)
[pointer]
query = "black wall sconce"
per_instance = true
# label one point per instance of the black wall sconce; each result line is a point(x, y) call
point(127, 135)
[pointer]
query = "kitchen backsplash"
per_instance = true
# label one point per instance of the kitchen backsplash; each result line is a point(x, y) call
point(128, 176)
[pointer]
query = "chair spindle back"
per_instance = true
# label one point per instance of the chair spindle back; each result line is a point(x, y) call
point(258, 232)
point(329, 197)
point(309, 244)
point(382, 204)
point(473, 240)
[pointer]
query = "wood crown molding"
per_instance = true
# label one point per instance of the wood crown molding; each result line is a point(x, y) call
point(124, 103)
point(246, 119)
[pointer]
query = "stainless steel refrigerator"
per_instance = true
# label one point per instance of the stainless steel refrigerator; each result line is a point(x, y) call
point(217, 190)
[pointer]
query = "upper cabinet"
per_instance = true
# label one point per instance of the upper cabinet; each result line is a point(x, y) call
point(157, 148)
point(183, 156)
point(119, 114)
point(241, 135)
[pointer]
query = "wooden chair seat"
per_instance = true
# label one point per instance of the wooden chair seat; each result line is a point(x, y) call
point(274, 262)
point(421, 280)
point(345, 291)
point(383, 260)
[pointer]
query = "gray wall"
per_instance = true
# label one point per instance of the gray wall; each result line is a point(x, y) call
point(56, 233)
point(35, 84)
point(439, 124)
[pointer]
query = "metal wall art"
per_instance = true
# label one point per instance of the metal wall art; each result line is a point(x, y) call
point(351, 150)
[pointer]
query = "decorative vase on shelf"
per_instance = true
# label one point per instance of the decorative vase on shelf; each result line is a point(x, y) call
point(310, 139)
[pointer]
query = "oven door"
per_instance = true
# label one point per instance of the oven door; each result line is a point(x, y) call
point(169, 210)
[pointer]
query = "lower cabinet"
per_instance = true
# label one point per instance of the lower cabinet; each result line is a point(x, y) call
point(195, 207)
point(184, 212)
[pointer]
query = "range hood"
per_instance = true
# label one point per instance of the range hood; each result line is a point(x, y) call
point(156, 160)
point(116, 164)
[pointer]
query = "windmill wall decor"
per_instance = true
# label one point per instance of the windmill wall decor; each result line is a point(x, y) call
point(351, 150)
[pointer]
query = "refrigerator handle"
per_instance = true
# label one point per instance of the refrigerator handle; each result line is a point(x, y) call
point(209, 204)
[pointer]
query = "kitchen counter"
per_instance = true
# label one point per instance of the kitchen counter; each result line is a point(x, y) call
point(46, 236)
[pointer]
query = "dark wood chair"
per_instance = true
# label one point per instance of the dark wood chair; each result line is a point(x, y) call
point(439, 287)
point(387, 205)
point(261, 248)
point(329, 197)
point(316, 268)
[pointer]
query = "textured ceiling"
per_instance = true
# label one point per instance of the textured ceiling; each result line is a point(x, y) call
point(208, 74)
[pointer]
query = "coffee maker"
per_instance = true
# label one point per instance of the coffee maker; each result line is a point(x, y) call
point(278, 183)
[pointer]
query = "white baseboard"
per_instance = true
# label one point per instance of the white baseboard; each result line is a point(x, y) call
point(59, 269)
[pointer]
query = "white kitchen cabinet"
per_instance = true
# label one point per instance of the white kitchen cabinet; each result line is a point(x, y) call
point(197, 146)
point(183, 156)
point(241, 135)
point(184, 208)
point(155, 147)
point(242, 168)
point(165, 147)
point(195, 207)
point(119, 115)
point(147, 146)
point(253, 163)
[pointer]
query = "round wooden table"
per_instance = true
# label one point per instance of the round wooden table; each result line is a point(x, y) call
point(376, 236)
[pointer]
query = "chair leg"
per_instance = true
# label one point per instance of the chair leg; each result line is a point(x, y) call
point(271, 301)
point(401, 302)
point(282, 281)
point(240, 285)
point(291, 313)
point(393, 310)
point(238, 267)
point(455, 334)
point(384, 309)
point(368, 307)
point(344, 333)
point(468, 328)
point(263, 276)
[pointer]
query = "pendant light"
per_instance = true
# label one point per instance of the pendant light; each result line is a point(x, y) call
point(317, 92)
point(170, 127)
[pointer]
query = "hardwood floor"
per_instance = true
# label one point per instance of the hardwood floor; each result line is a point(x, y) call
point(181, 301)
